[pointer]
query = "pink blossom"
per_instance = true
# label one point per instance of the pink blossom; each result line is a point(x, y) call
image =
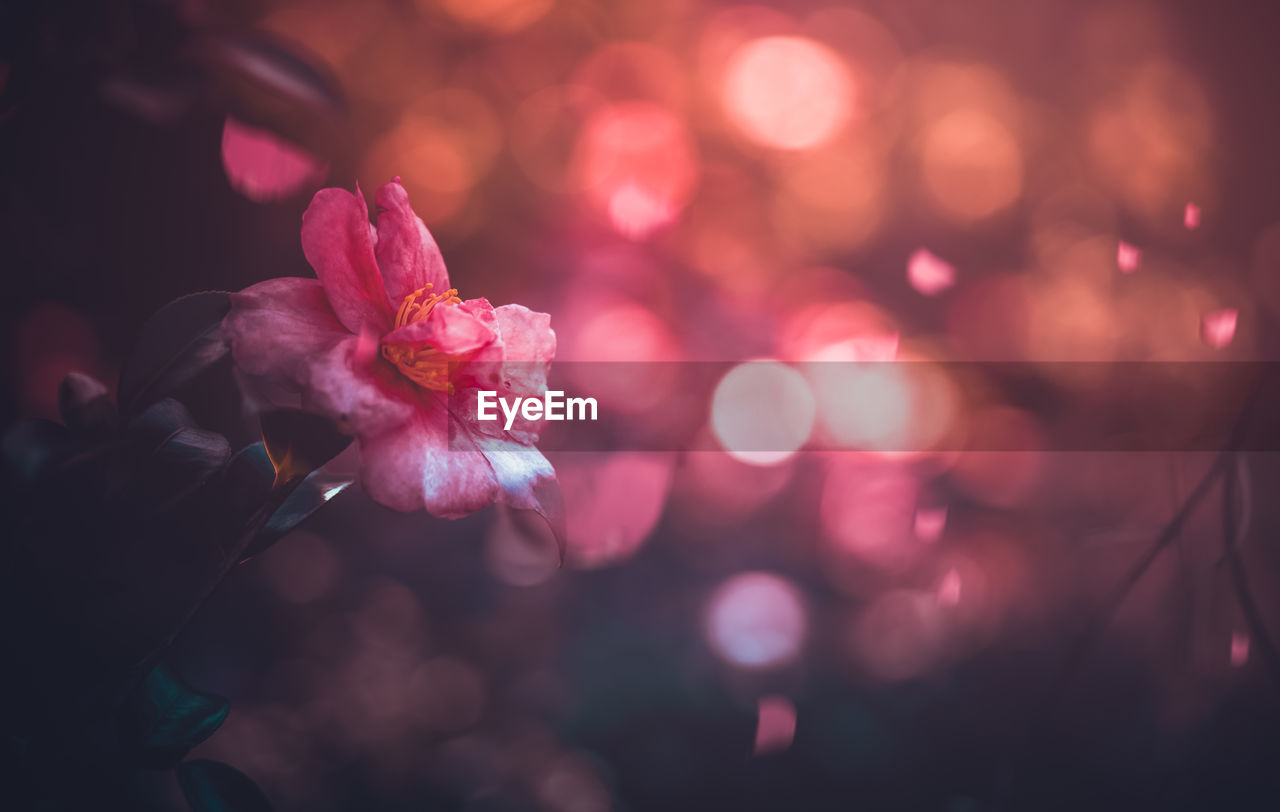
point(382, 344)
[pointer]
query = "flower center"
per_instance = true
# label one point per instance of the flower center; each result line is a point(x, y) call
point(425, 366)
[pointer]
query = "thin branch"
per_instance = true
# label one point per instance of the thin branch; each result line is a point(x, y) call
point(1224, 461)
point(1253, 618)
point(1168, 534)
point(1187, 607)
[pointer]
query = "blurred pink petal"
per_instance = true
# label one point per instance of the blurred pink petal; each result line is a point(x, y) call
point(929, 274)
point(264, 167)
point(949, 589)
point(1128, 257)
point(775, 724)
point(1218, 327)
point(1191, 216)
point(1239, 649)
point(930, 522)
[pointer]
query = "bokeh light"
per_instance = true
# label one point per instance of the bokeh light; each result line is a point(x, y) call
point(972, 166)
point(756, 620)
point(497, 16)
point(901, 635)
point(762, 412)
point(612, 503)
point(639, 165)
point(787, 92)
point(868, 511)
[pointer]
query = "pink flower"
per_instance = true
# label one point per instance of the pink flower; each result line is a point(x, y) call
point(382, 344)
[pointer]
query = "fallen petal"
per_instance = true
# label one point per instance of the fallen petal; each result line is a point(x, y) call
point(929, 274)
point(1218, 327)
point(775, 724)
point(1128, 257)
point(1191, 216)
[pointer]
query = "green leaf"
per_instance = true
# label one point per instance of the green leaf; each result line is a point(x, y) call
point(314, 493)
point(185, 461)
point(299, 442)
point(180, 341)
point(165, 717)
point(211, 786)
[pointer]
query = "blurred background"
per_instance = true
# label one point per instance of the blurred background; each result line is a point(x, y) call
point(673, 180)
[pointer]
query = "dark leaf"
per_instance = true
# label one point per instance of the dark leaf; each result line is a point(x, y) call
point(183, 462)
point(157, 423)
point(314, 493)
point(164, 718)
point(86, 406)
point(211, 786)
point(181, 340)
point(299, 442)
point(247, 483)
point(156, 101)
point(273, 73)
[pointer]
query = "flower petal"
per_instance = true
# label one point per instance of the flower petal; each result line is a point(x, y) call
point(276, 327)
point(530, 344)
point(526, 333)
point(449, 328)
point(415, 467)
point(518, 468)
point(361, 391)
point(407, 253)
point(338, 242)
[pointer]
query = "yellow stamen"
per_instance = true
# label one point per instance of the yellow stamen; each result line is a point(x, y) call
point(426, 366)
point(417, 306)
